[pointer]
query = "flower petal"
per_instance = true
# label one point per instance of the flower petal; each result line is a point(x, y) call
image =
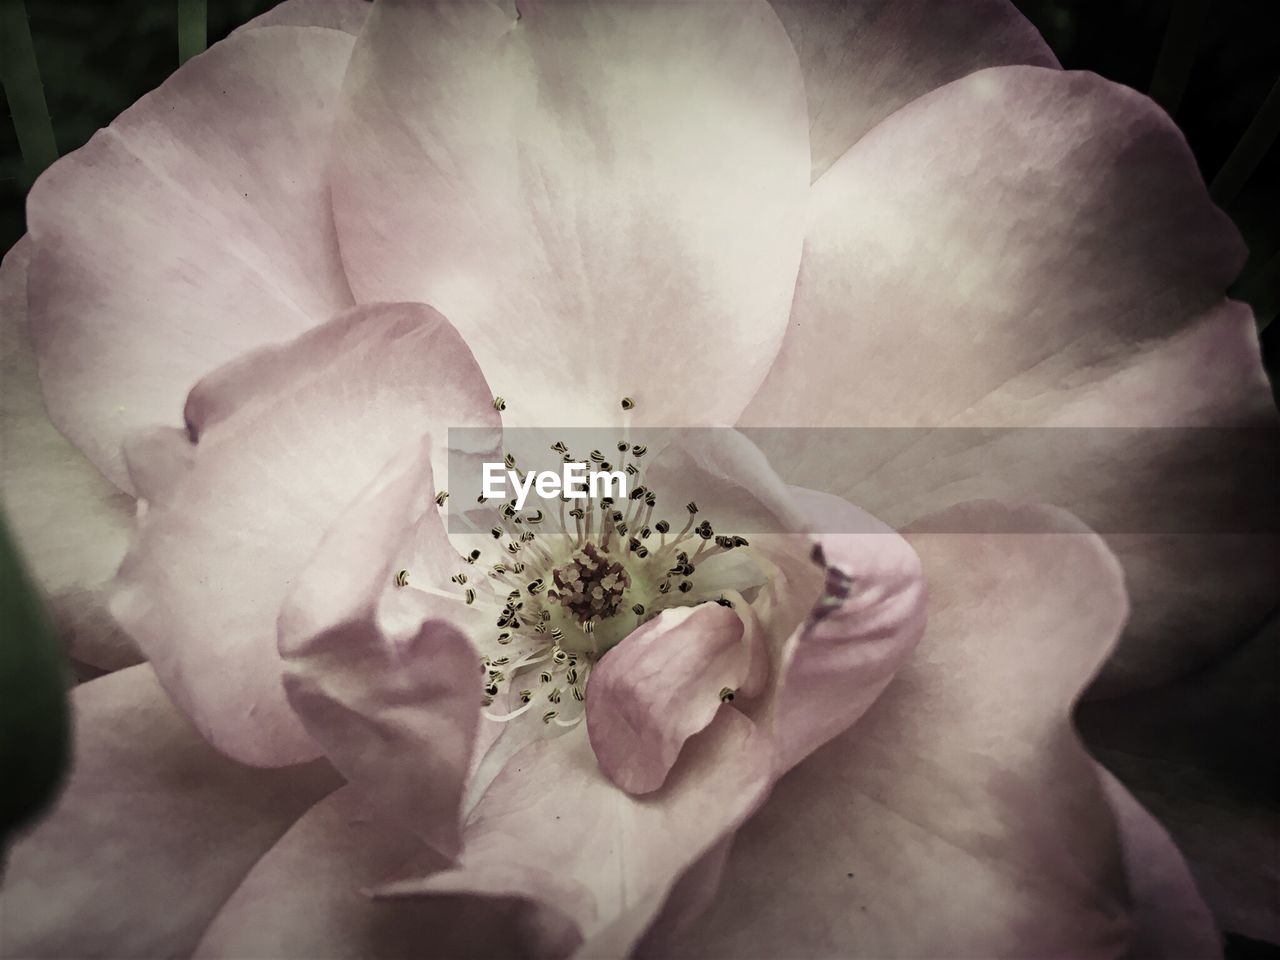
point(578, 191)
point(867, 621)
point(1170, 919)
point(659, 687)
point(215, 559)
point(309, 897)
point(949, 251)
point(514, 843)
point(960, 816)
point(195, 227)
point(862, 61)
point(153, 832)
point(395, 707)
point(954, 256)
point(158, 458)
point(1200, 754)
point(70, 522)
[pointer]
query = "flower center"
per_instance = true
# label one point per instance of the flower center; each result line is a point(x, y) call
point(565, 589)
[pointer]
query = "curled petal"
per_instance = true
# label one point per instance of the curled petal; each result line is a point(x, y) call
point(281, 453)
point(395, 708)
point(660, 686)
point(865, 623)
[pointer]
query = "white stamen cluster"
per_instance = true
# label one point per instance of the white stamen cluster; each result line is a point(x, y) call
point(565, 590)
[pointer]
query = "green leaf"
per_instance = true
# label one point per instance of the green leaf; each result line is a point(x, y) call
point(34, 718)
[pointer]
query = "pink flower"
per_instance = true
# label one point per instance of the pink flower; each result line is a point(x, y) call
point(259, 301)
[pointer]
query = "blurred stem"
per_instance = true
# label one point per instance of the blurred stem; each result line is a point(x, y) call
point(193, 28)
point(24, 90)
point(1178, 53)
point(1253, 146)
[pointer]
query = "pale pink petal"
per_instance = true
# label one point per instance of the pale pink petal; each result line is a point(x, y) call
point(837, 621)
point(70, 522)
point(953, 277)
point(195, 227)
point(554, 826)
point(216, 558)
point(345, 15)
point(153, 832)
point(862, 61)
point(660, 686)
point(1188, 510)
point(605, 199)
point(1200, 754)
point(961, 816)
point(1170, 919)
point(864, 624)
point(158, 458)
point(309, 897)
point(956, 246)
point(395, 707)
point(688, 899)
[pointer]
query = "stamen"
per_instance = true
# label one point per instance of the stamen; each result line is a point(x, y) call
point(566, 594)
